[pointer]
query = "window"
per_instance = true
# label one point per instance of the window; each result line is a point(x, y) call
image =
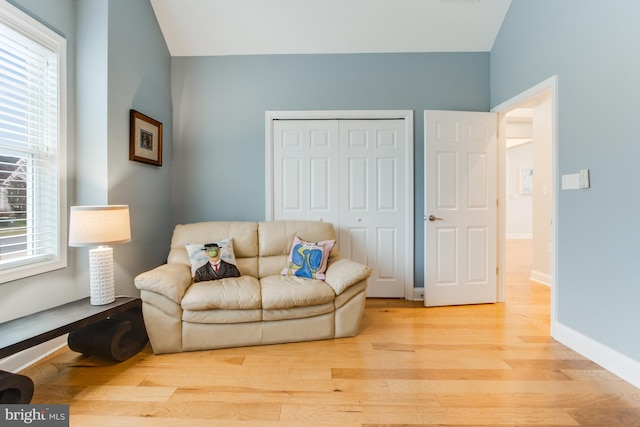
point(32, 146)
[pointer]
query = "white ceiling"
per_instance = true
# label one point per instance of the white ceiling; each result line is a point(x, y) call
point(251, 27)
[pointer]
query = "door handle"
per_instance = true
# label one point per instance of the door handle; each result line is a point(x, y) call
point(435, 218)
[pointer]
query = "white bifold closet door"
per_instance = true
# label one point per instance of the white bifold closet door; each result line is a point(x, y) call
point(350, 173)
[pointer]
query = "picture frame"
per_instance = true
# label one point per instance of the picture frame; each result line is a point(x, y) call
point(526, 180)
point(145, 139)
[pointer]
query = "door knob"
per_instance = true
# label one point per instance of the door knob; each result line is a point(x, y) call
point(435, 218)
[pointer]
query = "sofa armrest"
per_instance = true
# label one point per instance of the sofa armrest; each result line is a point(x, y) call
point(169, 280)
point(342, 273)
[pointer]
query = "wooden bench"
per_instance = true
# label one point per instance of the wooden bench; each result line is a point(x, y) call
point(114, 331)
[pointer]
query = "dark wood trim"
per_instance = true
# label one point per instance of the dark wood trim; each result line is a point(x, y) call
point(114, 331)
point(15, 388)
point(28, 331)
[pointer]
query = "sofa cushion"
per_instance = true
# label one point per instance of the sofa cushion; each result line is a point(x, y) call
point(297, 312)
point(308, 259)
point(279, 292)
point(233, 293)
point(222, 316)
point(271, 265)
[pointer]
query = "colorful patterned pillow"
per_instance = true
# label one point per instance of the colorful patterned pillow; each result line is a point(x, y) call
point(308, 259)
point(198, 257)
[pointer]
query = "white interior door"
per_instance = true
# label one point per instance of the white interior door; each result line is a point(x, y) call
point(460, 208)
point(372, 201)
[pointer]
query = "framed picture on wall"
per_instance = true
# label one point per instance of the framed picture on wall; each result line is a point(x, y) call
point(145, 139)
point(526, 180)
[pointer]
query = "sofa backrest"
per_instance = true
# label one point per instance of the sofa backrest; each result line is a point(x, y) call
point(245, 241)
point(276, 237)
point(261, 249)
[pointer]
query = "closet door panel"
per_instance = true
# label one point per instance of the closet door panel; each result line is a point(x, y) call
point(372, 155)
point(305, 172)
point(290, 186)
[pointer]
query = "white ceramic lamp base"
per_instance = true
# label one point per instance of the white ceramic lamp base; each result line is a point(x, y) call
point(101, 277)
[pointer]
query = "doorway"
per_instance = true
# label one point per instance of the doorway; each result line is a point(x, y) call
point(529, 182)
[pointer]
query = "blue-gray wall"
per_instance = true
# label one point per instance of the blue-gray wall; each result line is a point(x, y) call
point(123, 64)
point(219, 117)
point(139, 79)
point(116, 60)
point(592, 46)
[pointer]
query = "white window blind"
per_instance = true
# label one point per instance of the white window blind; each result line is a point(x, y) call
point(31, 193)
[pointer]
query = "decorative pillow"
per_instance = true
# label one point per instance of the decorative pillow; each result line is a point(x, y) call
point(308, 259)
point(198, 255)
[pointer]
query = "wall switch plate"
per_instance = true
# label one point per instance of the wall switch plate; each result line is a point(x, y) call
point(571, 181)
point(584, 178)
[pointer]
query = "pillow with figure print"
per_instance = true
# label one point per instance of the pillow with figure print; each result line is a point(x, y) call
point(212, 261)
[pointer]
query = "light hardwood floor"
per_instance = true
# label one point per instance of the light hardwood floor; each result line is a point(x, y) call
point(478, 365)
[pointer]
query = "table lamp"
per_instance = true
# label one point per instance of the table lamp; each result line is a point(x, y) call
point(100, 226)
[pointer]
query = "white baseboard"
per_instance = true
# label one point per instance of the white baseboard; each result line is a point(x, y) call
point(542, 278)
point(19, 361)
point(613, 361)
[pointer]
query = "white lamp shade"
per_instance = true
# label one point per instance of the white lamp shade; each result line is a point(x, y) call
point(99, 225)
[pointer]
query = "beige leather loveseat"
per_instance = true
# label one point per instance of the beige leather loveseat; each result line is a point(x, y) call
point(262, 306)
